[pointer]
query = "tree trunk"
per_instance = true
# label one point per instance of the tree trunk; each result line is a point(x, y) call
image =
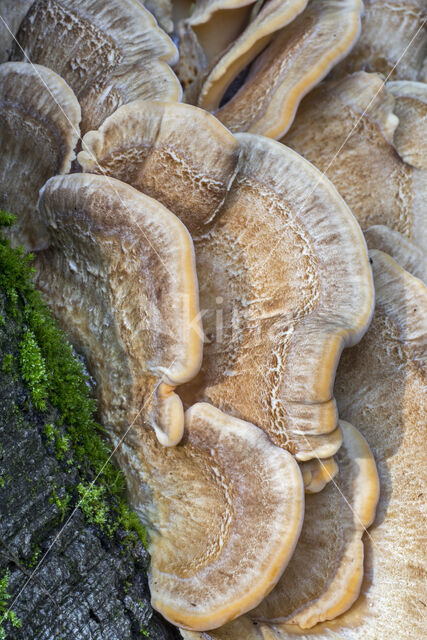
point(90, 585)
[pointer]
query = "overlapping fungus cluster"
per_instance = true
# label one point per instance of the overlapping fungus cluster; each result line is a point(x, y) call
point(212, 277)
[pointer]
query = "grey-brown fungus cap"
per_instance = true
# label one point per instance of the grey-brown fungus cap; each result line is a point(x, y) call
point(39, 129)
point(205, 29)
point(298, 58)
point(380, 386)
point(242, 628)
point(108, 52)
point(393, 40)
point(408, 255)
point(324, 576)
point(346, 128)
point(177, 154)
point(119, 275)
point(282, 265)
point(410, 106)
point(12, 12)
point(224, 511)
point(217, 69)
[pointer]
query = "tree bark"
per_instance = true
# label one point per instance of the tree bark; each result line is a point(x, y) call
point(89, 586)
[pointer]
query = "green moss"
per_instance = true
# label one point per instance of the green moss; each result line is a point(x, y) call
point(35, 557)
point(60, 442)
point(33, 369)
point(49, 431)
point(15, 269)
point(7, 364)
point(92, 503)
point(130, 521)
point(62, 446)
point(6, 615)
point(55, 375)
point(63, 503)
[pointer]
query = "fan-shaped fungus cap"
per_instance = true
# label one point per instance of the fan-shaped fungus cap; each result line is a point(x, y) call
point(407, 254)
point(316, 473)
point(162, 11)
point(410, 137)
point(366, 169)
point(201, 499)
point(299, 56)
point(11, 16)
point(239, 629)
point(108, 52)
point(120, 277)
point(178, 155)
point(324, 575)
point(271, 17)
point(393, 40)
point(282, 261)
point(323, 578)
point(381, 387)
point(205, 29)
point(39, 128)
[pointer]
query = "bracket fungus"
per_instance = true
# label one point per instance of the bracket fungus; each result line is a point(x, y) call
point(12, 12)
point(316, 473)
point(393, 40)
point(410, 137)
point(407, 254)
point(299, 57)
point(242, 628)
point(200, 499)
point(109, 53)
point(346, 128)
point(110, 248)
point(233, 427)
point(258, 28)
point(179, 155)
point(380, 386)
point(287, 307)
point(205, 29)
point(119, 275)
point(38, 111)
point(162, 11)
point(212, 27)
point(324, 575)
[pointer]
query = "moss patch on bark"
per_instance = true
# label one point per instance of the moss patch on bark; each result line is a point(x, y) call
point(77, 577)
